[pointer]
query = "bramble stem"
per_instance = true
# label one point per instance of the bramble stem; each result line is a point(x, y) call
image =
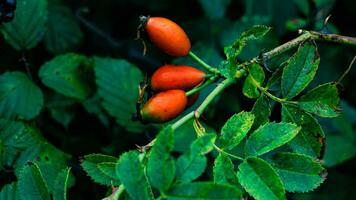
point(203, 64)
point(183, 120)
point(221, 86)
point(204, 85)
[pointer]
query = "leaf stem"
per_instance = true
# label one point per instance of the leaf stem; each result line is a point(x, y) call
point(226, 153)
point(203, 64)
point(221, 86)
point(204, 85)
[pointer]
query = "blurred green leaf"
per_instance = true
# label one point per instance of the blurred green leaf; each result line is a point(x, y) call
point(161, 166)
point(261, 110)
point(192, 164)
point(296, 24)
point(19, 96)
point(29, 25)
point(63, 33)
point(62, 183)
point(298, 172)
point(68, 74)
point(109, 169)
point(9, 192)
point(224, 171)
point(203, 190)
point(235, 129)
point(300, 70)
point(270, 136)
point(117, 82)
point(256, 76)
point(61, 108)
point(31, 184)
point(90, 165)
point(310, 138)
point(131, 173)
point(214, 9)
point(260, 180)
point(303, 6)
point(322, 100)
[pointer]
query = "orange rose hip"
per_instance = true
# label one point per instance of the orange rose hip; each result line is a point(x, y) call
point(164, 106)
point(176, 77)
point(167, 35)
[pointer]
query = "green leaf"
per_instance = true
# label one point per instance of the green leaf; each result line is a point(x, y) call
point(261, 110)
point(131, 173)
point(308, 139)
point(254, 33)
point(260, 180)
point(214, 9)
point(161, 166)
point(49, 159)
point(192, 164)
point(117, 82)
point(298, 172)
point(270, 136)
point(61, 108)
point(322, 101)
point(303, 6)
point(28, 26)
point(93, 106)
point(63, 33)
point(31, 184)
point(109, 169)
point(255, 78)
point(62, 183)
point(203, 191)
point(68, 74)
point(90, 165)
point(300, 71)
point(9, 192)
point(184, 136)
point(235, 129)
point(224, 171)
point(19, 96)
point(338, 150)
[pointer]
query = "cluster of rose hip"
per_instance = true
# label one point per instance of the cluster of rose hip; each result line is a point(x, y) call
point(169, 82)
point(7, 9)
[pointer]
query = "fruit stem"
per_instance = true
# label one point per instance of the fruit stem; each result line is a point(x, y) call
point(221, 86)
point(204, 85)
point(203, 64)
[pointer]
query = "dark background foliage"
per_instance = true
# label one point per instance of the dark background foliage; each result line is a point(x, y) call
point(109, 29)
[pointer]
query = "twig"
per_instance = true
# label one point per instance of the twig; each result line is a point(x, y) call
point(347, 71)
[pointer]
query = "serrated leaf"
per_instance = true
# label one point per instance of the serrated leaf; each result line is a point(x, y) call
point(161, 166)
point(49, 159)
point(300, 70)
point(227, 69)
point(90, 165)
point(63, 181)
point(235, 129)
point(260, 180)
point(214, 9)
point(322, 100)
point(109, 169)
point(192, 164)
point(16, 137)
point(203, 190)
point(224, 171)
point(19, 96)
point(261, 110)
point(255, 78)
point(9, 192)
point(308, 140)
point(63, 33)
point(254, 33)
point(28, 26)
point(190, 167)
point(130, 171)
point(117, 82)
point(31, 184)
point(298, 172)
point(270, 136)
point(68, 75)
